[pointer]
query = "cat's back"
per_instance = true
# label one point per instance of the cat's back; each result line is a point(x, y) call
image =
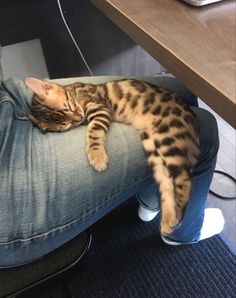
point(82, 87)
point(133, 86)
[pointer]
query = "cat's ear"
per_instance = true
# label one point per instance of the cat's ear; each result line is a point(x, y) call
point(39, 87)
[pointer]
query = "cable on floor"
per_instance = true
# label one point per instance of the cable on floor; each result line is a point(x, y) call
point(218, 195)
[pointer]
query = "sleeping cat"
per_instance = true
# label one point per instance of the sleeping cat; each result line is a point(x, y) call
point(167, 127)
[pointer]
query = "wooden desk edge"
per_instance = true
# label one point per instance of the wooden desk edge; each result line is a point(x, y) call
point(202, 88)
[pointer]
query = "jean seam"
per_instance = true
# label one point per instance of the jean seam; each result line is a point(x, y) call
point(7, 98)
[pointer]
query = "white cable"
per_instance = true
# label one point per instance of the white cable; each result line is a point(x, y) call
point(72, 37)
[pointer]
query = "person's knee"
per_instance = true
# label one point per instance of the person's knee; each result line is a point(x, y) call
point(209, 120)
point(208, 132)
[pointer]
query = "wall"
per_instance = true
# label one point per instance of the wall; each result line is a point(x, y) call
point(24, 59)
point(107, 49)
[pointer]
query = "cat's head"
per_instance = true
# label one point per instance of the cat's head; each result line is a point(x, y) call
point(53, 108)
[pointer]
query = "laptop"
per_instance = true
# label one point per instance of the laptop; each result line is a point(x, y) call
point(200, 2)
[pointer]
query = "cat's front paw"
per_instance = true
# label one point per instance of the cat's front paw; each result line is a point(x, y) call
point(98, 159)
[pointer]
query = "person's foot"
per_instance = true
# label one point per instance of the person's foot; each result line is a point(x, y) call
point(145, 214)
point(213, 224)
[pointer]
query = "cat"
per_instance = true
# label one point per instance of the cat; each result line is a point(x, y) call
point(167, 126)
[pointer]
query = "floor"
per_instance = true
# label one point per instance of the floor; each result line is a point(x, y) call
point(226, 162)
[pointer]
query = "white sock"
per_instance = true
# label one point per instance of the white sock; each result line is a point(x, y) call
point(145, 214)
point(213, 223)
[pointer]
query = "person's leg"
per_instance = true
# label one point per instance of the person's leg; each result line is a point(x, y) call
point(48, 192)
point(149, 202)
point(195, 220)
point(197, 223)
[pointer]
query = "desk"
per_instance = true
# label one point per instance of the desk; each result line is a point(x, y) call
point(197, 45)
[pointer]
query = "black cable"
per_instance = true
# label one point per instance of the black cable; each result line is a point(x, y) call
point(231, 178)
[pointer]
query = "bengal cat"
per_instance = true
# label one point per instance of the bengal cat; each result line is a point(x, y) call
point(167, 126)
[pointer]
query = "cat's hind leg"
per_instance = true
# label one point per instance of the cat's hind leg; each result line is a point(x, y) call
point(183, 186)
point(169, 219)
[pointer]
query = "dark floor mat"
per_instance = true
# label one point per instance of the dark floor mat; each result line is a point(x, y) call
point(128, 259)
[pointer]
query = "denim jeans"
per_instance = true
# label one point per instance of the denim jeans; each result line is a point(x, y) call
point(48, 192)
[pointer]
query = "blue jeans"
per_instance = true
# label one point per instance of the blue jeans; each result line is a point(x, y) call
point(48, 192)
